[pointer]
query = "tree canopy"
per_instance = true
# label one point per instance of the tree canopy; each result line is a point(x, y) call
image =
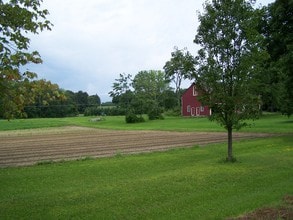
point(278, 28)
point(228, 62)
point(179, 67)
point(146, 93)
point(121, 93)
point(149, 87)
point(18, 19)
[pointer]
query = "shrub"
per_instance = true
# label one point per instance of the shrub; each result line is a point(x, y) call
point(173, 112)
point(133, 118)
point(155, 114)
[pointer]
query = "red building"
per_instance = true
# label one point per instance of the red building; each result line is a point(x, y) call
point(190, 106)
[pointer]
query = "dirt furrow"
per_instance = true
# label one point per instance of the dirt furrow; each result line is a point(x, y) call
point(92, 144)
point(89, 146)
point(19, 149)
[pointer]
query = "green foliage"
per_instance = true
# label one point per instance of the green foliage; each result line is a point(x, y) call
point(170, 100)
point(228, 63)
point(109, 111)
point(47, 100)
point(180, 66)
point(131, 117)
point(155, 113)
point(70, 105)
point(121, 93)
point(19, 18)
point(173, 112)
point(147, 93)
point(50, 101)
point(94, 100)
point(278, 28)
point(178, 184)
point(149, 87)
point(81, 99)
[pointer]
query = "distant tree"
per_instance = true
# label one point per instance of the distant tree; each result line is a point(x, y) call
point(19, 18)
point(94, 100)
point(149, 87)
point(179, 67)
point(108, 103)
point(278, 29)
point(169, 100)
point(81, 100)
point(121, 93)
point(70, 104)
point(48, 100)
point(227, 64)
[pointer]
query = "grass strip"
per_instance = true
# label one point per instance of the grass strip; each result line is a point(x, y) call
point(268, 123)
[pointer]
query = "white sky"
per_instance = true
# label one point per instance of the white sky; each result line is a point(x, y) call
point(93, 41)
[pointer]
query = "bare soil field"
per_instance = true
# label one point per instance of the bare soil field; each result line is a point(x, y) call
point(27, 147)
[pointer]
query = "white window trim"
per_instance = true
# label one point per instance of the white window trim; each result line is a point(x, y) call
point(194, 92)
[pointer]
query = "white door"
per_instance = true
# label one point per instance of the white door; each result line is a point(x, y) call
point(197, 111)
point(192, 111)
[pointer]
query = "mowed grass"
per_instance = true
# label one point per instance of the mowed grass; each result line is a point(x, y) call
point(272, 123)
point(192, 183)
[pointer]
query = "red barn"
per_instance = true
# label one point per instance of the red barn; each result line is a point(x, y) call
point(190, 106)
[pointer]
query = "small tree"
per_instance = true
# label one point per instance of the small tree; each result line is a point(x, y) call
point(228, 62)
point(121, 93)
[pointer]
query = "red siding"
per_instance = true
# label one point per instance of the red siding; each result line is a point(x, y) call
point(191, 106)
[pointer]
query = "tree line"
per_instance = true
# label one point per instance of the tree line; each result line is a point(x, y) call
point(44, 99)
point(21, 95)
point(52, 102)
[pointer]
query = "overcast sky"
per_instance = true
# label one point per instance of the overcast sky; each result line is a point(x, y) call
point(93, 41)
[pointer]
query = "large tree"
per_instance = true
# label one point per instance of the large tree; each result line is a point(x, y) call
point(228, 62)
point(278, 29)
point(179, 67)
point(149, 87)
point(18, 19)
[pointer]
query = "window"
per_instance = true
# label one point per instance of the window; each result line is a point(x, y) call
point(188, 108)
point(194, 91)
point(201, 108)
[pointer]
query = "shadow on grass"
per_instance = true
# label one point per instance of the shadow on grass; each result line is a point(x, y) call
point(286, 122)
point(283, 211)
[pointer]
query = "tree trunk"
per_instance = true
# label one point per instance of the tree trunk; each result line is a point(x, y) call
point(230, 154)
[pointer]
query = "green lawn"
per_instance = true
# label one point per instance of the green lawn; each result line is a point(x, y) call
point(191, 183)
point(273, 123)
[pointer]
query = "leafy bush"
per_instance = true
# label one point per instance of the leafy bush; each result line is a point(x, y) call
point(133, 118)
point(155, 114)
point(173, 112)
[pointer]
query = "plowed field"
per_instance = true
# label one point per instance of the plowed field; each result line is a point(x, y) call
point(28, 147)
